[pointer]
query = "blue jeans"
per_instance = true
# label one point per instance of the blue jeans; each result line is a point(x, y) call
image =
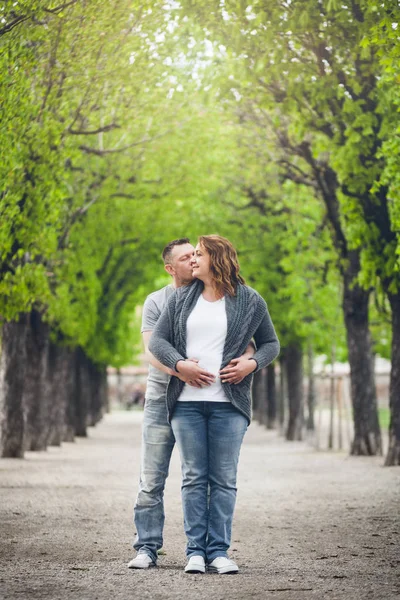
point(209, 436)
point(157, 445)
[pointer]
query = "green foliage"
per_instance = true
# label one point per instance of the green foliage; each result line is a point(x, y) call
point(383, 38)
point(104, 144)
point(126, 124)
point(305, 76)
point(86, 95)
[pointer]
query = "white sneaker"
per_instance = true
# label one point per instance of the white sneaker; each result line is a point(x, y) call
point(223, 565)
point(196, 564)
point(141, 561)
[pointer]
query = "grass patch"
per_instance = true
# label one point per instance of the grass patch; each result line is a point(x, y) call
point(384, 418)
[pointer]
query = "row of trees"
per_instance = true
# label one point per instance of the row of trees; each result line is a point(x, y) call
point(127, 125)
point(309, 81)
point(94, 173)
point(78, 118)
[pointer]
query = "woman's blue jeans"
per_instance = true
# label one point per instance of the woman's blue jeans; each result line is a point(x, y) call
point(209, 436)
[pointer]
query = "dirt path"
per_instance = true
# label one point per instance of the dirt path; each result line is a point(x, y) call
point(308, 525)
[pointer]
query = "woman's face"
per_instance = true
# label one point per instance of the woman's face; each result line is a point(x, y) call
point(201, 263)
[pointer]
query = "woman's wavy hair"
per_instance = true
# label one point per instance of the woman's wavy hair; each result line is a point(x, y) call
point(224, 264)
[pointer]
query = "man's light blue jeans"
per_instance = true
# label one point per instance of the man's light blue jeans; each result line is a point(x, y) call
point(209, 436)
point(157, 445)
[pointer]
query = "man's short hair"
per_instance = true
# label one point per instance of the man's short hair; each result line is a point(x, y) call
point(166, 253)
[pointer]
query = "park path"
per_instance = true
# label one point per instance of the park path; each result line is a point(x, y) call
point(308, 525)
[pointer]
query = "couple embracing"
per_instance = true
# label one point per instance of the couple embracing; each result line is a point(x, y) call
point(206, 334)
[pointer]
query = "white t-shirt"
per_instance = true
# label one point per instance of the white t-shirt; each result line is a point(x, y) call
point(205, 340)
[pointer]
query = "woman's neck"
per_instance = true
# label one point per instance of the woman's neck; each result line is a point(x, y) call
point(210, 293)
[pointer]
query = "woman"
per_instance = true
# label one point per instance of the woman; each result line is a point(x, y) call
point(213, 320)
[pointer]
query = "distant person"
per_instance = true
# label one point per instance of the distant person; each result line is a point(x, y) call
point(157, 436)
point(214, 319)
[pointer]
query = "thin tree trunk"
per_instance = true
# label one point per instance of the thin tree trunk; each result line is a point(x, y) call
point(310, 389)
point(57, 392)
point(35, 399)
point(294, 361)
point(82, 394)
point(282, 391)
point(367, 435)
point(98, 399)
point(120, 388)
point(393, 455)
point(258, 395)
point(68, 384)
point(271, 397)
point(12, 365)
point(332, 384)
point(264, 398)
point(105, 403)
point(105, 391)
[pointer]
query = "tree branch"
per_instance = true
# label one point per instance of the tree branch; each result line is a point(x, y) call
point(13, 24)
point(56, 10)
point(145, 140)
point(122, 195)
point(52, 63)
point(98, 152)
point(94, 131)
point(297, 175)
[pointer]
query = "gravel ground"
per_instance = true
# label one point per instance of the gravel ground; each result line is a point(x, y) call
point(308, 524)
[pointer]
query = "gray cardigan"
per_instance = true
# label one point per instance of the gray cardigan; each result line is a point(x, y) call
point(247, 318)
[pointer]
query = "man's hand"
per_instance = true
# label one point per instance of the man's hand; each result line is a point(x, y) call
point(237, 370)
point(190, 372)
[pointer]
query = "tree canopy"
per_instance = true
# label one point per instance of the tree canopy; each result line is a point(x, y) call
point(127, 124)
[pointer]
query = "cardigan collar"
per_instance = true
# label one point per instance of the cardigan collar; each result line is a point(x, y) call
point(236, 311)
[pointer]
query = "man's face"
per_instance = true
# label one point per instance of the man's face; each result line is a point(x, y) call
point(179, 265)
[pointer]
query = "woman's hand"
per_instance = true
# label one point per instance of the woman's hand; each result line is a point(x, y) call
point(237, 370)
point(191, 373)
point(185, 379)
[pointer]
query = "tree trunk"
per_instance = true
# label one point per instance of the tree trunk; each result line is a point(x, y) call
point(35, 397)
point(90, 393)
point(310, 389)
point(98, 393)
point(48, 393)
point(332, 384)
point(271, 397)
point(264, 398)
point(294, 364)
point(58, 391)
point(282, 398)
point(120, 388)
point(393, 455)
point(12, 365)
point(81, 393)
point(367, 435)
point(68, 385)
point(258, 392)
point(103, 391)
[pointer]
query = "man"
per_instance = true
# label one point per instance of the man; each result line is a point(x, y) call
point(157, 437)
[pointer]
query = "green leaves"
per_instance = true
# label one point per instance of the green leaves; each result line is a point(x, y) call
point(129, 124)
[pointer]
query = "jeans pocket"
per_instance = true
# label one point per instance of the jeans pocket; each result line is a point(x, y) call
point(156, 401)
